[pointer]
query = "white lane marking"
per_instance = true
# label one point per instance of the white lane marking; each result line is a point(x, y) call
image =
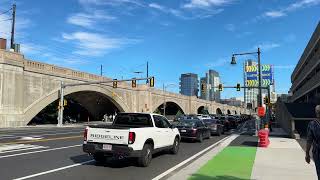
point(189, 159)
point(33, 152)
point(39, 132)
point(28, 138)
point(54, 170)
point(18, 147)
point(44, 135)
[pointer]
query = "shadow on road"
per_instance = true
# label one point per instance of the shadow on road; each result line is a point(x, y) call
point(204, 177)
point(113, 162)
point(81, 158)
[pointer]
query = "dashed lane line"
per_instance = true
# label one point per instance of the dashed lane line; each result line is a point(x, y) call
point(42, 140)
point(45, 150)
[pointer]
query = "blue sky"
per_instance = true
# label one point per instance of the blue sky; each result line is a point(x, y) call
point(174, 36)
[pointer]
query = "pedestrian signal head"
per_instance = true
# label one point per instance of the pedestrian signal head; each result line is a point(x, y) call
point(220, 87)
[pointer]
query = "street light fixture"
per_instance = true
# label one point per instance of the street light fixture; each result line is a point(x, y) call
point(234, 62)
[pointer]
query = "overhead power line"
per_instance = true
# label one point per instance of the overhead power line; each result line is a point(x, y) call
point(6, 11)
point(6, 20)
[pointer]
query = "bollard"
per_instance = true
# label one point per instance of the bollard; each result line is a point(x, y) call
point(263, 138)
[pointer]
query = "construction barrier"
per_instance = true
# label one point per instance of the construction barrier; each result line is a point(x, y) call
point(263, 138)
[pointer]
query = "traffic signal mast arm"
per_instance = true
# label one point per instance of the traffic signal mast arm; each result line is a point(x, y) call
point(244, 87)
point(102, 82)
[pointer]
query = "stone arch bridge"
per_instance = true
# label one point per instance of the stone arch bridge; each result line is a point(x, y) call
point(27, 87)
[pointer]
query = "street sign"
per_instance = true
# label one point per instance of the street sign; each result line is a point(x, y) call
point(261, 111)
point(252, 75)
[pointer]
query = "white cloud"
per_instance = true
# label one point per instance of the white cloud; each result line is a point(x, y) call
point(94, 44)
point(290, 38)
point(88, 20)
point(31, 48)
point(266, 46)
point(274, 14)
point(290, 8)
point(220, 62)
point(157, 6)
point(111, 2)
point(230, 27)
point(192, 4)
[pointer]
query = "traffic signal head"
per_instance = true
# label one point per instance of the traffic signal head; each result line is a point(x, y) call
point(220, 87)
point(266, 100)
point(238, 87)
point(65, 102)
point(134, 83)
point(115, 83)
point(151, 82)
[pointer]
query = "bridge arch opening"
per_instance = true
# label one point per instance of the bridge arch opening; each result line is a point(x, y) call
point(202, 110)
point(218, 111)
point(81, 107)
point(228, 111)
point(172, 110)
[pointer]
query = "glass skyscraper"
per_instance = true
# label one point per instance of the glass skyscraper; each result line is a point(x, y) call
point(211, 81)
point(189, 84)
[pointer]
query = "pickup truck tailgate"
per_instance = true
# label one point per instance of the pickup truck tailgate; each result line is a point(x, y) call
point(108, 136)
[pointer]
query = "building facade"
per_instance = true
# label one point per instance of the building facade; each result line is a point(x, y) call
point(211, 81)
point(305, 78)
point(189, 84)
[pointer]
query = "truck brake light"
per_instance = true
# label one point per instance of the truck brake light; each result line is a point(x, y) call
point(132, 137)
point(85, 134)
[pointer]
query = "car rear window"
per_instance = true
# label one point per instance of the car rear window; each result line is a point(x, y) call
point(209, 121)
point(135, 120)
point(187, 123)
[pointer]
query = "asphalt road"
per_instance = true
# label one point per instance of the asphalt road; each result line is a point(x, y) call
point(56, 153)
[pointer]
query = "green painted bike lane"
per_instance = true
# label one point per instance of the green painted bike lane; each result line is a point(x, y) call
point(232, 163)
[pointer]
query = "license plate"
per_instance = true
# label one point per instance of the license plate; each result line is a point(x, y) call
point(107, 147)
point(183, 130)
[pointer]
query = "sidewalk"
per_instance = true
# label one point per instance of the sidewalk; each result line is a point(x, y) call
point(239, 158)
point(283, 159)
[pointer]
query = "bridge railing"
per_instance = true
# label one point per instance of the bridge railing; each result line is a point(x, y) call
point(44, 68)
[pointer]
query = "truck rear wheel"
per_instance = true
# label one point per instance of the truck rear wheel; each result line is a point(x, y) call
point(99, 158)
point(146, 156)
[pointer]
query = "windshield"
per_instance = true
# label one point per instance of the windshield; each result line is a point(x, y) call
point(136, 120)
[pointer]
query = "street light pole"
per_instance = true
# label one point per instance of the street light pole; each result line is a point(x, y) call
point(233, 62)
point(164, 96)
point(259, 69)
point(164, 101)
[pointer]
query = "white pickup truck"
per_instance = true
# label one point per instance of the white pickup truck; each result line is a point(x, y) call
point(132, 135)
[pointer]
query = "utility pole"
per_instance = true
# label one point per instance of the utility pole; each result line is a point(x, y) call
point(13, 24)
point(101, 70)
